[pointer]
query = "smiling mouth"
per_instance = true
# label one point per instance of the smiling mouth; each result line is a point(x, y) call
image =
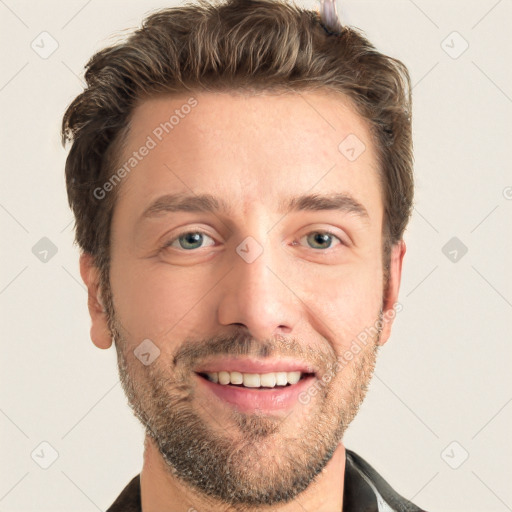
point(271, 380)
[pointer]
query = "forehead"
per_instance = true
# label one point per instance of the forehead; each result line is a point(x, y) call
point(250, 150)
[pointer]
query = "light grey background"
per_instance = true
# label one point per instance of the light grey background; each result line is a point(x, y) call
point(444, 376)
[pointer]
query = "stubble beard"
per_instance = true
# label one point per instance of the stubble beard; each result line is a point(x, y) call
point(253, 461)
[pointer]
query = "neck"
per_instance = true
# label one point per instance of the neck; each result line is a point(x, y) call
point(162, 490)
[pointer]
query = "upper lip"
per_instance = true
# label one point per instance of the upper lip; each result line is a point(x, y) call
point(252, 365)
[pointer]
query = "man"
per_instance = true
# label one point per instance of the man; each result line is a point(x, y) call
point(241, 177)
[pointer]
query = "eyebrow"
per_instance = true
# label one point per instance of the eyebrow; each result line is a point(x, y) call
point(186, 203)
point(208, 203)
point(342, 202)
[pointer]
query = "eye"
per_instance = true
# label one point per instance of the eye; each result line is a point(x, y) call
point(189, 240)
point(321, 239)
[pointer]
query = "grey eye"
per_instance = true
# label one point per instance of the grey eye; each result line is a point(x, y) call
point(321, 239)
point(189, 240)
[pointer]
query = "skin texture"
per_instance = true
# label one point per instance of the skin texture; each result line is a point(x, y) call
point(303, 297)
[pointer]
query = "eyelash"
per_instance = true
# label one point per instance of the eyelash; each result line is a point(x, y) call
point(323, 232)
point(179, 235)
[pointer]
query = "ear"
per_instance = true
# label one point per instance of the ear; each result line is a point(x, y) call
point(100, 333)
point(391, 295)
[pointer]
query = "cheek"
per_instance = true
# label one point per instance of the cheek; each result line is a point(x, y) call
point(346, 305)
point(154, 303)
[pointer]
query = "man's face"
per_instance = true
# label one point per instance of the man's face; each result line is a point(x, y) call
point(227, 290)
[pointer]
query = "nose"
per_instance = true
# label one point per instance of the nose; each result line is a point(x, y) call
point(257, 296)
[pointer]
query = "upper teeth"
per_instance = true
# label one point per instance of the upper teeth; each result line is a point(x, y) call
point(255, 380)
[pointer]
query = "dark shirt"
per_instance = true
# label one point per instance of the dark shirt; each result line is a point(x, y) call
point(364, 491)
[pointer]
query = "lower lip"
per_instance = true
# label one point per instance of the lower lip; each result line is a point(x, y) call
point(264, 400)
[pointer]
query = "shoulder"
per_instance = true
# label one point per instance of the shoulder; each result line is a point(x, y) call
point(129, 499)
point(361, 480)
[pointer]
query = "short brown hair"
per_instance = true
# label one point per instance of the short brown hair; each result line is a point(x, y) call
point(242, 45)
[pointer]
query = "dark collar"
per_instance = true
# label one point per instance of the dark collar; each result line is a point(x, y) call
point(364, 491)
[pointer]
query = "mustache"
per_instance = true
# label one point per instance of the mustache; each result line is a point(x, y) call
point(241, 343)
